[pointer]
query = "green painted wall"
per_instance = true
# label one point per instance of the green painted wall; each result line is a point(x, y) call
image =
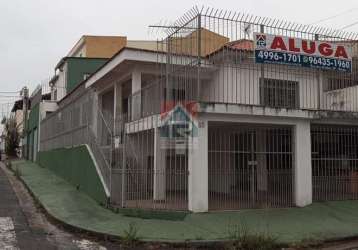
point(32, 124)
point(30, 144)
point(33, 120)
point(76, 166)
point(78, 67)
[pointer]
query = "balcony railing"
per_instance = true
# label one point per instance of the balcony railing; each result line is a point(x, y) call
point(274, 86)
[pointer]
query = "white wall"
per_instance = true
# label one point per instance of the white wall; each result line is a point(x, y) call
point(198, 169)
point(303, 164)
point(60, 84)
point(47, 106)
point(301, 161)
point(240, 84)
point(341, 99)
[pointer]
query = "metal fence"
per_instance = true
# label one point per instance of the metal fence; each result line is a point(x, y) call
point(250, 166)
point(334, 162)
point(148, 173)
point(76, 123)
point(209, 58)
point(126, 160)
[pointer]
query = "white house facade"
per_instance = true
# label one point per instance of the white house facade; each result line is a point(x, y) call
point(204, 125)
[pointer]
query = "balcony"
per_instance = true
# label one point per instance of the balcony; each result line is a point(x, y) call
point(244, 83)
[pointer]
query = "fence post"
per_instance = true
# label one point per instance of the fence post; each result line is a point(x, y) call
point(199, 57)
point(262, 66)
point(123, 169)
point(316, 38)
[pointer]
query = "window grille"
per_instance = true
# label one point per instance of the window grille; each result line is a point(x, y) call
point(278, 93)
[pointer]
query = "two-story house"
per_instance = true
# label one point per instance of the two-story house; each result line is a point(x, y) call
point(232, 112)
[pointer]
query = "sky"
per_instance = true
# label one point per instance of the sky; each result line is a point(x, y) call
point(36, 34)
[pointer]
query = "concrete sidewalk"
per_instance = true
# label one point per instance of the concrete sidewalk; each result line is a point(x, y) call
point(319, 221)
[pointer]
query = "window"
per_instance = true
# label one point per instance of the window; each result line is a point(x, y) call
point(278, 93)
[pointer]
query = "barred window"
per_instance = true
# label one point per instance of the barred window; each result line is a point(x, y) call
point(278, 93)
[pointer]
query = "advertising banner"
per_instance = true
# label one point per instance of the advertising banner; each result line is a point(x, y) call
point(299, 52)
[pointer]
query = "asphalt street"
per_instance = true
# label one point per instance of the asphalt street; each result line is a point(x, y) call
point(15, 232)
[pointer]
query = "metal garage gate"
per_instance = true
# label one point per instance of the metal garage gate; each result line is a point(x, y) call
point(250, 166)
point(334, 162)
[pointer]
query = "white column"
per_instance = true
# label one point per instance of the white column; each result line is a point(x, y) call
point(261, 162)
point(303, 164)
point(136, 99)
point(94, 123)
point(117, 106)
point(198, 169)
point(159, 184)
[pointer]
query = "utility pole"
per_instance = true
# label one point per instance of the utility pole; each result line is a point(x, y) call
point(25, 103)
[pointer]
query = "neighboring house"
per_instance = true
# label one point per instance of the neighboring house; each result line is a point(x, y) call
point(97, 46)
point(17, 113)
point(85, 58)
point(70, 71)
point(202, 124)
point(40, 105)
point(89, 54)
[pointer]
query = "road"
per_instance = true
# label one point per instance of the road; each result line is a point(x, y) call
point(24, 227)
point(15, 232)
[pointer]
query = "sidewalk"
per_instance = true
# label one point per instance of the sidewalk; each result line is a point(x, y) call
point(15, 232)
point(319, 221)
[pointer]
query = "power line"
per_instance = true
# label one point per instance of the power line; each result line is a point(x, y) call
point(349, 25)
point(334, 16)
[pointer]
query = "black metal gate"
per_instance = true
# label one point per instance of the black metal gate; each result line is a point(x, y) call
point(250, 166)
point(334, 162)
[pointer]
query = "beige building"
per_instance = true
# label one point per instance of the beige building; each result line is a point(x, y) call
point(97, 46)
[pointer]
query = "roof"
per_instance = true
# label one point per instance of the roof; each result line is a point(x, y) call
point(126, 53)
point(239, 45)
point(118, 58)
point(242, 44)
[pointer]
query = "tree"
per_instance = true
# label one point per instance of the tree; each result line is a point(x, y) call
point(12, 136)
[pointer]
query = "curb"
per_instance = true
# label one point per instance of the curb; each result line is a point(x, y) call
point(211, 244)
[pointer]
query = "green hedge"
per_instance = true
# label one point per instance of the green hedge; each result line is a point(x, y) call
point(76, 166)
